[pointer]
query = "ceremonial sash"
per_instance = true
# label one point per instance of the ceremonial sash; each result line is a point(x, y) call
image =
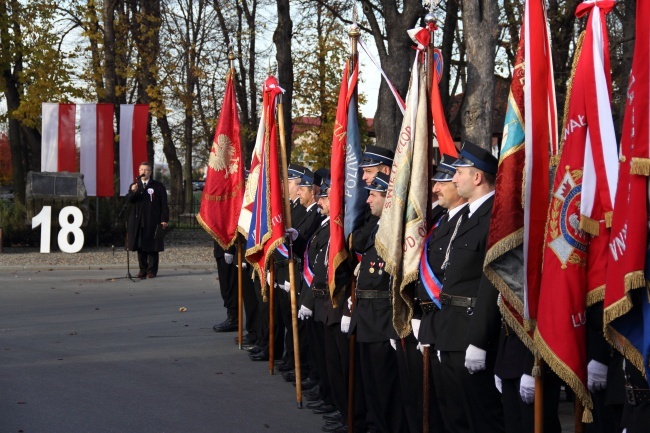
point(429, 280)
point(282, 249)
point(308, 273)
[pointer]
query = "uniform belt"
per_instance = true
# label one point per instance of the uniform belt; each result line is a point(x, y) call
point(636, 396)
point(372, 294)
point(320, 293)
point(428, 307)
point(457, 301)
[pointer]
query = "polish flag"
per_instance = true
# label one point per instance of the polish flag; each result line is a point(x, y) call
point(133, 142)
point(96, 150)
point(58, 151)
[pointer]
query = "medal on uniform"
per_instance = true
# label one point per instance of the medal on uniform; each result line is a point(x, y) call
point(381, 265)
point(372, 268)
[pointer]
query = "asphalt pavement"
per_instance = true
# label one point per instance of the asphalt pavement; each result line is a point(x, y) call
point(83, 352)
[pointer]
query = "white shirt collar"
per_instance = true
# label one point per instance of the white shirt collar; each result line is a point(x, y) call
point(325, 221)
point(478, 202)
point(454, 211)
point(311, 206)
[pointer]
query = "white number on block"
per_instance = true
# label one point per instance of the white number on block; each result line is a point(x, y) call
point(44, 219)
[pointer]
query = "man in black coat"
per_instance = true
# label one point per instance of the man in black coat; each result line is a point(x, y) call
point(147, 220)
point(373, 326)
point(467, 327)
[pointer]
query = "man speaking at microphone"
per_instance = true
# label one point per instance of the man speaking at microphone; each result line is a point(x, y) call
point(147, 220)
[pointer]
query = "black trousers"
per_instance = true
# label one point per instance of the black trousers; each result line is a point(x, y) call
point(251, 307)
point(520, 417)
point(471, 402)
point(378, 367)
point(317, 358)
point(148, 261)
point(228, 286)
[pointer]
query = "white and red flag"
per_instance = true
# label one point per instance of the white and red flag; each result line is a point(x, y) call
point(575, 256)
point(224, 187)
point(96, 154)
point(58, 149)
point(133, 142)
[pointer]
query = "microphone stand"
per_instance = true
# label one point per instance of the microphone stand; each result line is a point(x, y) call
point(128, 261)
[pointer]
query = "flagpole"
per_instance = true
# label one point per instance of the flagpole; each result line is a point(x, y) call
point(271, 295)
point(354, 34)
point(538, 372)
point(292, 283)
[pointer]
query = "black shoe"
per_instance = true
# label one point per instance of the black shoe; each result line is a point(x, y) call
point(334, 416)
point(334, 427)
point(326, 408)
point(311, 396)
point(285, 367)
point(260, 356)
point(307, 383)
point(228, 325)
point(315, 404)
point(142, 275)
point(255, 349)
point(248, 347)
point(289, 376)
point(246, 339)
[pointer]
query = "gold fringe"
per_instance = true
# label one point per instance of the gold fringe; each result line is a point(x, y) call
point(569, 88)
point(616, 310)
point(608, 218)
point(338, 259)
point(634, 280)
point(504, 289)
point(521, 332)
point(640, 166)
point(596, 295)
point(587, 416)
point(565, 373)
point(508, 243)
point(554, 160)
point(627, 349)
point(214, 235)
point(589, 225)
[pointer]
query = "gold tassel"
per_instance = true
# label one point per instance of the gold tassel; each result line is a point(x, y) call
point(640, 166)
point(589, 225)
point(537, 370)
point(587, 416)
point(608, 218)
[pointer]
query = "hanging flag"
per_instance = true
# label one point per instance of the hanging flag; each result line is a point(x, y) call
point(58, 150)
point(513, 261)
point(96, 154)
point(224, 187)
point(133, 142)
point(443, 140)
point(575, 258)
point(403, 226)
point(345, 150)
point(266, 231)
point(627, 306)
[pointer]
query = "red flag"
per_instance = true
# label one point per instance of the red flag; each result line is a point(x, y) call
point(224, 187)
point(337, 250)
point(96, 155)
point(133, 142)
point(516, 239)
point(627, 247)
point(266, 231)
point(574, 262)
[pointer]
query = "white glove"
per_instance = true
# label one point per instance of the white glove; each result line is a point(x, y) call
point(244, 265)
point(292, 233)
point(415, 324)
point(422, 346)
point(596, 376)
point(356, 269)
point(393, 343)
point(474, 359)
point(350, 303)
point(268, 278)
point(228, 258)
point(286, 286)
point(527, 388)
point(438, 353)
point(345, 324)
point(304, 313)
point(498, 383)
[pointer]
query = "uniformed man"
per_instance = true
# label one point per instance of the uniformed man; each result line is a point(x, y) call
point(372, 323)
point(467, 326)
point(429, 285)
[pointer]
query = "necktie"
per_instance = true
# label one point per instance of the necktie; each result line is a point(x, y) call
point(463, 217)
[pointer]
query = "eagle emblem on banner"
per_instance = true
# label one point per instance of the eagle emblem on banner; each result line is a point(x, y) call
point(221, 156)
point(568, 241)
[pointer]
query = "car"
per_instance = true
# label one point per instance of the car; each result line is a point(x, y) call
point(198, 185)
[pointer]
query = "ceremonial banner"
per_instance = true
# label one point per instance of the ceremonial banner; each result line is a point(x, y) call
point(574, 265)
point(266, 230)
point(96, 154)
point(516, 240)
point(627, 306)
point(133, 142)
point(58, 150)
point(223, 193)
point(403, 225)
point(344, 173)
